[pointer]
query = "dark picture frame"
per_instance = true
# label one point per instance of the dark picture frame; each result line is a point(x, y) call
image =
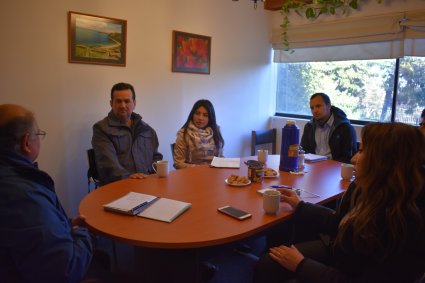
point(191, 53)
point(96, 40)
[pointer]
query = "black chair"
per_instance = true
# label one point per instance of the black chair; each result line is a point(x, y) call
point(263, 137)
point(92, 175)
point(172, 149)
point(172, 152)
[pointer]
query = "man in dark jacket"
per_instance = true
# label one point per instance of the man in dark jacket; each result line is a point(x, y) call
point(38, 242)
point(124, 145)
point(329, 132)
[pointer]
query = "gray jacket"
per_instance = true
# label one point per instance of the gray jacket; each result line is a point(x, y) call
point(121, 151)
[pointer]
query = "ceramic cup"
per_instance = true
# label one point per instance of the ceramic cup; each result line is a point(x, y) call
point(161, 168)
point(347, 171)
point(271, 201)
point(262, 155)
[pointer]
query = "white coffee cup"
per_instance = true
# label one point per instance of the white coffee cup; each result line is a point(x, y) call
point(347, 171)
point(161, 168)
point(271, 201)
point(262, 155)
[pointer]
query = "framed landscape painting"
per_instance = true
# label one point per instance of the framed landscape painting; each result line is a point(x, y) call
point(191, 53)
point(96, 40)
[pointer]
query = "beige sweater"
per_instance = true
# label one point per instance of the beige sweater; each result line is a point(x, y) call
point(187, 153)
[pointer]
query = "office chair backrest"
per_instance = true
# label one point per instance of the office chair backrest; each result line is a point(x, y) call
point(263, 137)
point(92, 174)
point(172, 149)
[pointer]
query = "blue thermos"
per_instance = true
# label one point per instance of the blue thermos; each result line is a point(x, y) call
point(289, 147)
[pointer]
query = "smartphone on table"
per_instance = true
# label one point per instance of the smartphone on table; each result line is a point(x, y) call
point(234, 212)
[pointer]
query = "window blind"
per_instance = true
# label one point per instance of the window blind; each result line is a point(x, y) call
point(373, 37)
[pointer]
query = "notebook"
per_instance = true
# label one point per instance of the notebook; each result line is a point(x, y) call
point(131, 203)
point(222, 162)
point(165, 209)
point(148, 206)
point(314, 157)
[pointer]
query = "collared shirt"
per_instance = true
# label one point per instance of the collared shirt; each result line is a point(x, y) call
point(322, 137)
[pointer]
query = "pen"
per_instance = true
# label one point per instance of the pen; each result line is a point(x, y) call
point(291, 188)
point(286, 187)
point(282, 187)
point(138, 208)
point(309, 193)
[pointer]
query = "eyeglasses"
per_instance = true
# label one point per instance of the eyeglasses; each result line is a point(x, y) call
point(41, 134)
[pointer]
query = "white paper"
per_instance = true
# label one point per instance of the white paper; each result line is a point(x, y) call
point(315, 157)
point(222, 162)
point(165, 209)
point(261, 192)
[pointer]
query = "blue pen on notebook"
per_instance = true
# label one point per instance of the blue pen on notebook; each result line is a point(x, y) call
point(298, 191)
point(282, 187)
point(286, 187)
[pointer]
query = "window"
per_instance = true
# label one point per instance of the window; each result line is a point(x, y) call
point(367, 90)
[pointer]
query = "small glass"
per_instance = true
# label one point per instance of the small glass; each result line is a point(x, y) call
point(301, 155)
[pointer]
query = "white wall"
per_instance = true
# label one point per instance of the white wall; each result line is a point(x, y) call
point(69, 98)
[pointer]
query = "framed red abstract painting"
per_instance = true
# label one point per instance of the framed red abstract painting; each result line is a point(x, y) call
point(191, 53)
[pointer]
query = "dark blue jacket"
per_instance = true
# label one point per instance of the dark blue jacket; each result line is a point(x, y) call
point(342, 137)
point(37, 242)
point(352, 265)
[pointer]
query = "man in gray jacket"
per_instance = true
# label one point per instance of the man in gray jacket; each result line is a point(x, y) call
point(124, 145)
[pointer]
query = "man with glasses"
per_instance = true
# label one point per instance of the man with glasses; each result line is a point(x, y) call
point(124, 145)
point(38, 242)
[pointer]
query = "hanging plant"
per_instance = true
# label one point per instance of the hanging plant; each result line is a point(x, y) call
point(313, 10)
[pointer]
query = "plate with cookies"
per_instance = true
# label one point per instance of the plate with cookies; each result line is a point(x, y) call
point(237, 181)
point(270, 173)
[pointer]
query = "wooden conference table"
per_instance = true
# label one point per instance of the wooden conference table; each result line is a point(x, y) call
point(202, 225)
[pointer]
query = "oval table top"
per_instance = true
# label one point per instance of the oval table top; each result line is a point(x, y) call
point(202, 225)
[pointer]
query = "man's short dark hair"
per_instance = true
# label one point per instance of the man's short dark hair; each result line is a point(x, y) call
point(423, 113)
point(325, 97)
point(123, 86)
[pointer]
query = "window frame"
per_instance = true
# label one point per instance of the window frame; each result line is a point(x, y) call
point(353, 121)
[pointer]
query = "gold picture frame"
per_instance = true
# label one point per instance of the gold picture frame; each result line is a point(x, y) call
point(96, 40)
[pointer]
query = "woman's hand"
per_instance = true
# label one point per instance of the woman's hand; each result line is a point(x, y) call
point(288, 257)
point(289, 196)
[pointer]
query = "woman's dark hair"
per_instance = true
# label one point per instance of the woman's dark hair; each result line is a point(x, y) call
point(212, 122)
point(390, 180)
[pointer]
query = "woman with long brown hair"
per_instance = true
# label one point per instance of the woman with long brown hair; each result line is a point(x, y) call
point(200, 139)
point(378, 232)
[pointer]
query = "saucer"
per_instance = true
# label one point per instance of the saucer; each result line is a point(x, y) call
point(237, 184)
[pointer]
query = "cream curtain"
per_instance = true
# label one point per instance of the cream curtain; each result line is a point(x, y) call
point(375, 37)
point(414, 35)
